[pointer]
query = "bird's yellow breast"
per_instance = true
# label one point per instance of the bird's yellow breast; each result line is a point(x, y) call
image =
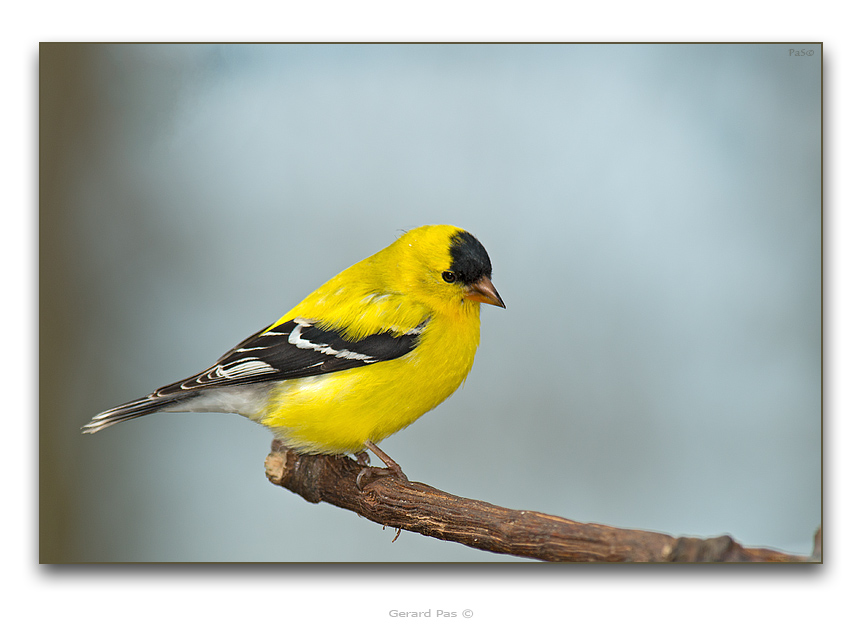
point(338, 412)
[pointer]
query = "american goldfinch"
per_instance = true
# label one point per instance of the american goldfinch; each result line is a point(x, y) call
point(360, 358)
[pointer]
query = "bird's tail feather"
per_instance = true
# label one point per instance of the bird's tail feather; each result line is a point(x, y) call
point(133, 409)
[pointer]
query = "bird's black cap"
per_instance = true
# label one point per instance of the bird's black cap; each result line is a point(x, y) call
point(470, 261)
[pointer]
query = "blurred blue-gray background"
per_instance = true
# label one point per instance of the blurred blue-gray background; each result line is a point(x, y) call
point(653, 216)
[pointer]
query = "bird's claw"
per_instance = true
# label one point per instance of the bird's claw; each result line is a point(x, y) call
point(370, 473)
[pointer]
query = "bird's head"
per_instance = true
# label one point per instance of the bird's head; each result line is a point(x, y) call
point(446, 266)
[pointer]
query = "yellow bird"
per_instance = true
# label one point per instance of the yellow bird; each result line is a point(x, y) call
point(363, 356)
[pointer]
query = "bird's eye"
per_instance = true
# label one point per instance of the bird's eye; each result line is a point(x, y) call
point(449, 277)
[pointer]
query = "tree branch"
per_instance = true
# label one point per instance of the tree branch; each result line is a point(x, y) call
point(419, 508)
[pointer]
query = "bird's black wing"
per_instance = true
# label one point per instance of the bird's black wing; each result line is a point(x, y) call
point(296, 349)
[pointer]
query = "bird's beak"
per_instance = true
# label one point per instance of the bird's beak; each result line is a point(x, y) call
point(483, 291)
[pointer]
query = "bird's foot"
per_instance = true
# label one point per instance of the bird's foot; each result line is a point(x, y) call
point(369, 473)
